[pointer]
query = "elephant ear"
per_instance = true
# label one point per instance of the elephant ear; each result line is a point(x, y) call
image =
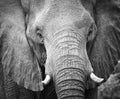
point(116, 3)
point(17, 59)
point(104, 50)
point(110, 88)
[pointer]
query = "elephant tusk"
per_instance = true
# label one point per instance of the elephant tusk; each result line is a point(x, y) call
point(46, 80)
point(95, 78)
point(119, 61)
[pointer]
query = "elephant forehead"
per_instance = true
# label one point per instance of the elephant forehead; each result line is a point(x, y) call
point(65, 11)
point(66, 8)
point(62, 22)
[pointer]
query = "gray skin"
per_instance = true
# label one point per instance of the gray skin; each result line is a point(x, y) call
point(111, 88)
point(14, 51)
point(104, 50)
point(63, 26)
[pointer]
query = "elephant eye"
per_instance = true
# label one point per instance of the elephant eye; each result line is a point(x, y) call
point(91, 32)
point(39, 32)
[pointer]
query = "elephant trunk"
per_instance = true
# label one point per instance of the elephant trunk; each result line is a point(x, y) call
point(70, 64)
point(70, 79)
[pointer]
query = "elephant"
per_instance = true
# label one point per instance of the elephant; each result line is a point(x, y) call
point(16, 58)
point(111, 88)
point(65, 36)
point(64, 27)
point(104, 50)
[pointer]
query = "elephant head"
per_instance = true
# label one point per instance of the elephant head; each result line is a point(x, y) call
point(64, 26)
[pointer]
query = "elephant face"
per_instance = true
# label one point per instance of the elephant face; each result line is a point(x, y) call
point(65, 27)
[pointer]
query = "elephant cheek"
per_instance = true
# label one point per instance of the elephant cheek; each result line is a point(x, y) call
point(88, 68)
point(49, 66)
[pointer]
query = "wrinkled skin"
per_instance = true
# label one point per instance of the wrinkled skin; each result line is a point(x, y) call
point(63, 26)
point(14, 52)
point(104, 50)
point(111, 88)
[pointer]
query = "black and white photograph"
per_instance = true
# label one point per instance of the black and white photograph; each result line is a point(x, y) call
point(59, 49)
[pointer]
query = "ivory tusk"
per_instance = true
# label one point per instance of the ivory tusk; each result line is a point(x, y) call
point(46, 80)
point(118, 61)
point(95, 78)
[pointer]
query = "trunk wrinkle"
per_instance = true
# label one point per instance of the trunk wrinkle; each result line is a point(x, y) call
point(67, 45)
point(68, 58)
point(69, 34)
point(69, 80)
point(70, 61)
point(71, 30)
point(70, 68)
